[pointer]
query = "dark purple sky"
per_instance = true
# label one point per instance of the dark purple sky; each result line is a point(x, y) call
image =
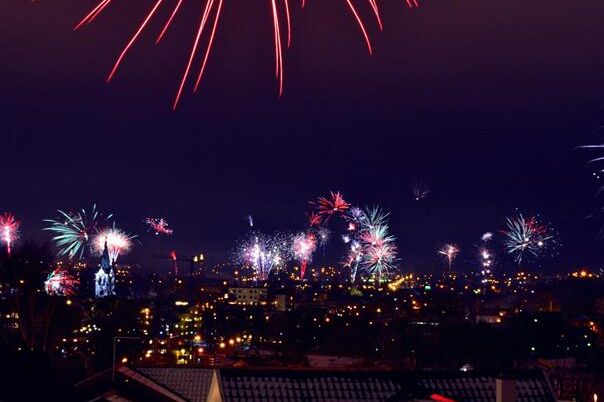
point(483, 100)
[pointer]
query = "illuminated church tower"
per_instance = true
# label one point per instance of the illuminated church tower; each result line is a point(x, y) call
point(104, 279)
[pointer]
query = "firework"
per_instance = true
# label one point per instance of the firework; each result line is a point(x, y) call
point(354, 214)
point(323, 236)
point(486, 237)
point(205, 33)
point(449, 253)
point(376, 236)
point(420, 191)
point(353, 259)
point(526, 237)
point(264, 252)
point(379, 258)
point(314, 219)
point(597, 173)
point(372, 218)
point(355, 217)
point(486, 257)
point(174, 259)
point(9, 230)
point(158, 226)
point(328, 206)
point(303, 246)
point(73, 231)
point(60, 283)
point(378, 248)
point(372, 248)
point(250, 220)
point(117, 241)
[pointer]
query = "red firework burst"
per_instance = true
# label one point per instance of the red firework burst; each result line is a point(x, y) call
point(208, 24)
point(329, 206)
point(159, 226)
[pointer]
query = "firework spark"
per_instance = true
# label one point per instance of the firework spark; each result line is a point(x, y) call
point(9, 230)
point(158, 226)
point(118, 242)
point(73, 231)
point(303, 247)
point(526, 237)
point(60, 283)
point(449, 253)
point(209, 21)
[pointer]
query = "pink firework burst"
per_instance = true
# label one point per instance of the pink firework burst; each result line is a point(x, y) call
point(9, 230)
point(117, 242)
point(159, 226)
point(449, 253)
point(304, 246)
point(332, 205)
point(209, 21)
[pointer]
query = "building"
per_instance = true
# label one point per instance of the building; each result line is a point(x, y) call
point(247, 295)
point(255, 385)
point(104, 278)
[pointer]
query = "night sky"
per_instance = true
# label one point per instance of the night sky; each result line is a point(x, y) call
point(484, 101)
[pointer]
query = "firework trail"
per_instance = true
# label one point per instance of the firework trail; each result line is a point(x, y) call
point(73, 231)
point(303, 246)
point(118, 242)
point(449, 253)
point(209, 21)
point(9, 230)
point(158, 226)
point(354, 258)
point(420, 191)
point(355, 217)
point(174, 259)
point(264, 253)
point(486, 257)
point(250, 220)
point(60, 283)
point(526, 237)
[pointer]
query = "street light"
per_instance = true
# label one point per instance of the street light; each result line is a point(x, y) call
point(115, 338)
